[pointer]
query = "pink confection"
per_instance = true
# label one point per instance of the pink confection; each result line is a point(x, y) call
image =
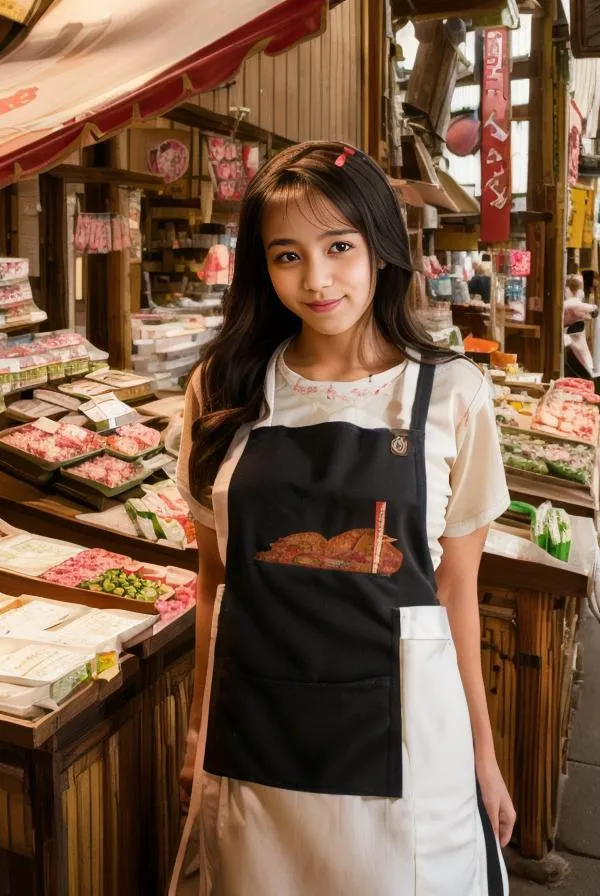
point(87, 565)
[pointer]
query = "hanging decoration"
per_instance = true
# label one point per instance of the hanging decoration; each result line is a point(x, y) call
point(233, 164)
point(496, 192)
point(575, 129)
point(99, 234)
point(170, 160)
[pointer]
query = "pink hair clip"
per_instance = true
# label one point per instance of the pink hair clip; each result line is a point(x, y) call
point(341, 159)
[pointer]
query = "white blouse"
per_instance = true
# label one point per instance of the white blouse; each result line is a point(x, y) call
point(466, 485)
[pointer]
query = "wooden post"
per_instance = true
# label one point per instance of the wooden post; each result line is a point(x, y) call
point(372, 65)
point(554, 134)
point(118, 300)
point(53, 252)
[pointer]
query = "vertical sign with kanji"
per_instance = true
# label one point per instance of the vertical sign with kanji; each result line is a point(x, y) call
point(496, 194)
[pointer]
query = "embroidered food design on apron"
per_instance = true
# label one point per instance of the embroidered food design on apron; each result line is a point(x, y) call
point(359, 550)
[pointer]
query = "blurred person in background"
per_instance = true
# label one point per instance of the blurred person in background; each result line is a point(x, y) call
point(576, 311)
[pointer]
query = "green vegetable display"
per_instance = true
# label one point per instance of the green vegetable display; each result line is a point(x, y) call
point(128, 585)
point(566, 471)
point(562, 459)
point(525, 463)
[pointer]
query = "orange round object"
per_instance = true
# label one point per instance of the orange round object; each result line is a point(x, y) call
point(503, 359)
point(477, 346)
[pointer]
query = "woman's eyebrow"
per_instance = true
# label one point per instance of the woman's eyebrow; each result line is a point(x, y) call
point(328, 234)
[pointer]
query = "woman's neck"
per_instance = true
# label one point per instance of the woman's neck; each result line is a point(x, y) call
point(344, 357)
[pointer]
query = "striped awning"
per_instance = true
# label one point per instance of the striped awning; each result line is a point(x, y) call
point(86, 70)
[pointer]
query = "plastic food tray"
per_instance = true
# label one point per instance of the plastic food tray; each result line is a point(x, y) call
point(104, 489)
point(131, 458)
point(49, 466)
point(75, 663)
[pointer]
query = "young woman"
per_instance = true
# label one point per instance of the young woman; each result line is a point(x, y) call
point(342, 473)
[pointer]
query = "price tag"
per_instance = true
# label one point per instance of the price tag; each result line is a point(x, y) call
point(46, 425)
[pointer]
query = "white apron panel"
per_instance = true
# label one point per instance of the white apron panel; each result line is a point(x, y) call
point(267, 841)
point(437, 733)
point(262, 841)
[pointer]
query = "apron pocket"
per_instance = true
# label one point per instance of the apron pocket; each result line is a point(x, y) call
point(316, 737)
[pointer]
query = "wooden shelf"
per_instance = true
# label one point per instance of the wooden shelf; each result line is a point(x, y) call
point(176, 249)
point(24, 326)
point(530, 331)
point(171, 202)
point(79, 174)
point(165, 213)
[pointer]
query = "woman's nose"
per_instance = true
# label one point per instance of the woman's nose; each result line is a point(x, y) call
point(317, 275)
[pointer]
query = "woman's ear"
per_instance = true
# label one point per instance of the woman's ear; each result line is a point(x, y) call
point(381, 264)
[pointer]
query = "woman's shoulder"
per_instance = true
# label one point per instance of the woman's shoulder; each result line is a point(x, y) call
point(193, 390)
point(459, 385)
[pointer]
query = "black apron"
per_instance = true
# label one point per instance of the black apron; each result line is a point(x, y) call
point(327, 540)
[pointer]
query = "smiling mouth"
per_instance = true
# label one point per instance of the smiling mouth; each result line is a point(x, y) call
point(321, 307)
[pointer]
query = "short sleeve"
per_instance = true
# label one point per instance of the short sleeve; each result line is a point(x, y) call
point(202, 512)
point(479, 493)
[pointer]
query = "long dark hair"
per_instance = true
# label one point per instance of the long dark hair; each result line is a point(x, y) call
point(234, 364)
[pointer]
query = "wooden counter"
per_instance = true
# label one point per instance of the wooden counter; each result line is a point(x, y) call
point(529, 613)
point(89, 795)
point(34, 510)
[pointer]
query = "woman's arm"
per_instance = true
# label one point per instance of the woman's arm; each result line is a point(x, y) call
point(457, 585)
point(211, 574)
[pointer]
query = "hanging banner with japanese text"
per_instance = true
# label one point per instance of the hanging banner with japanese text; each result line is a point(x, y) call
point(496, 193)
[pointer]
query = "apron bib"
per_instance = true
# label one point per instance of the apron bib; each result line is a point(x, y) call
point(326, 543)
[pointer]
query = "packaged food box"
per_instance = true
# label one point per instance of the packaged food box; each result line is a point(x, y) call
point(12, 269)
point(108, 412)
point(70, 402)
point(84, 389)
point(125, 385)
point(32, 409)
point(34, 664)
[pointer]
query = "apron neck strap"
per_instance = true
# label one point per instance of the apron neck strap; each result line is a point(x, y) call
point(422, 396)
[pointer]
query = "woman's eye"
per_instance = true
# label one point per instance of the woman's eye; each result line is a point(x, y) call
point(286, 257)
point(340, 247)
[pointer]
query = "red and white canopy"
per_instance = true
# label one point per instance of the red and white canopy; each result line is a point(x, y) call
point(87, 69)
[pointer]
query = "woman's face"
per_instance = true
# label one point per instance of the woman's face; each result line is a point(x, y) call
point(321, 270)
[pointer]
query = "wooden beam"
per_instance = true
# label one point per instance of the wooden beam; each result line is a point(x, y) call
point(205, 120)
point(118, 299)
point(522, 112)
point(53, 254)
point(376, 59)
point(521, 70)
point(97, 287)
point(79, 174)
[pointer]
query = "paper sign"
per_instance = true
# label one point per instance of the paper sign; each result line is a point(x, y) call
point(107, 408)
point(496, 190)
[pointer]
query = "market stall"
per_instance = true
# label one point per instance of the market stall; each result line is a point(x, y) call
point(537, 570)
point(529, 607)
point(94, 694)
